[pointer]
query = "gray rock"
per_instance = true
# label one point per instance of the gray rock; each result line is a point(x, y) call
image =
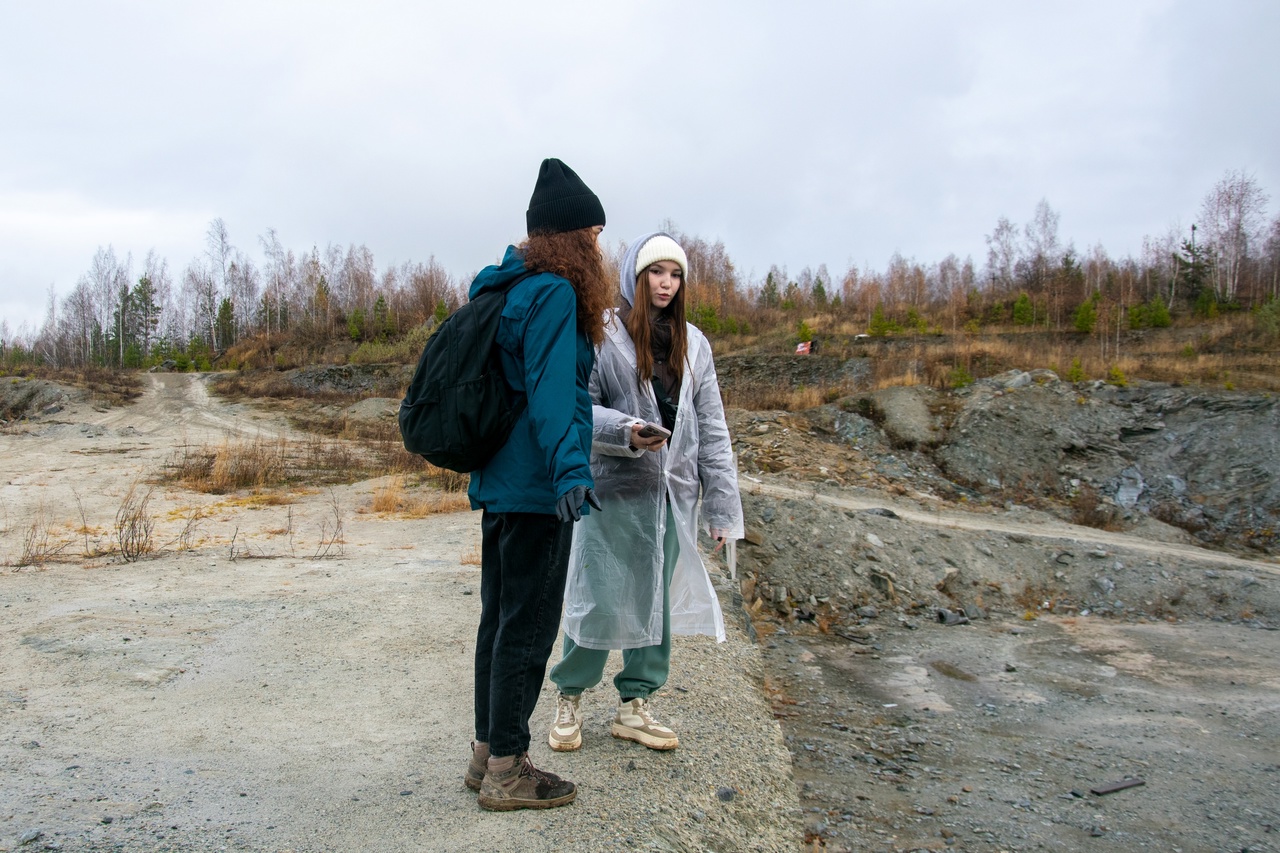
point(908, 421)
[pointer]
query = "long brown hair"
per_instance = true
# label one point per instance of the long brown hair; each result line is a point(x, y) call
point(640, 326)
point(575, 256)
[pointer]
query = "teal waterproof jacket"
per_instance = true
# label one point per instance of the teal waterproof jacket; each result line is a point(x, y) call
point(546, 357)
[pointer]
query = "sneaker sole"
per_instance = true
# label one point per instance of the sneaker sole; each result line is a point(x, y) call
point(505, 804)
point(661, 744)
point(565, 745)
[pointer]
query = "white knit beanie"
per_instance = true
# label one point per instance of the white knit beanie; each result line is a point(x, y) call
point(661, 248)
point(644, 250)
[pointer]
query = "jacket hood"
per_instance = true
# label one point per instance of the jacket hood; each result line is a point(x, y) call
point(627, 272)
point(500, 275)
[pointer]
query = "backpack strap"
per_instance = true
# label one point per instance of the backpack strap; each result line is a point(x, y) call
point(517, 280)
point(521, 400)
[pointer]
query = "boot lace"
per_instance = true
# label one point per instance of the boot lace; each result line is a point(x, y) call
point(528, 769)
point(565, 712)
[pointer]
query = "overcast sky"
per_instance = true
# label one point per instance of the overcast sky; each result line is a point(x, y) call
point(799, 133)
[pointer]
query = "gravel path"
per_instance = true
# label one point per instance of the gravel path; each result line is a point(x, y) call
point(192, 702)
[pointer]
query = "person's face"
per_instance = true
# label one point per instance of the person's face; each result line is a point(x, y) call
point(596, 230)
point(665, 279)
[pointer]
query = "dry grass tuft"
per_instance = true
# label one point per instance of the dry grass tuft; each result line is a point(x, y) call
point(389, 497)
point(778, 397)
point(265, 463)
point(259, 499)
point(471, 557)
point(392, 497)
point(244, 464)
point(907, 377)
point(1219, 357)
point(39, 545)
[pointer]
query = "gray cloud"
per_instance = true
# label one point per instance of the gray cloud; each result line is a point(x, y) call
point(814, 133)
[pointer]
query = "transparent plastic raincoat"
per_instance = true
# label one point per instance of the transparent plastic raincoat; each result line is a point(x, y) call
point(613, 597)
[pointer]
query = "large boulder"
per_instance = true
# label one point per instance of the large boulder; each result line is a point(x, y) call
point(906, 415)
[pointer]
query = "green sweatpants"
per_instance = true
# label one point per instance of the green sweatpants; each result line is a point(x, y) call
point(644, 670)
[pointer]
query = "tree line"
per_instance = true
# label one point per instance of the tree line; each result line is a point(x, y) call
point(117, 315)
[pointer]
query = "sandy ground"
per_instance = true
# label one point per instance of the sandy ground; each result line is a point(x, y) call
point(286, 701)
point(280, 701)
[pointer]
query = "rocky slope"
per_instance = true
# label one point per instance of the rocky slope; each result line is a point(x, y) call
point(1116, 457)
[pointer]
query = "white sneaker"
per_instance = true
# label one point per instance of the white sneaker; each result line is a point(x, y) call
point(566, 731)
point(633, 722)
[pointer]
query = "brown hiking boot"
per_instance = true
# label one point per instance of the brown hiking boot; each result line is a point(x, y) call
point(524, 786)
point(477, 766)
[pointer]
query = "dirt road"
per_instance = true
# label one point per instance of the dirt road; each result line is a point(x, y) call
point(189, 701)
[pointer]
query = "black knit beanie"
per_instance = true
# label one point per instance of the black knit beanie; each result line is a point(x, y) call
point(561, 201)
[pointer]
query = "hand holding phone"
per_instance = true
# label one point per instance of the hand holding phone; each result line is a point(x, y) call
point(654, 431)
point(650, 437)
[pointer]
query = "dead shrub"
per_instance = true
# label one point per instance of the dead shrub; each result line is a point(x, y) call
point(190, 528)
point(134, 524)
point(331, 542)
point(1088, 510)
point(85, 530)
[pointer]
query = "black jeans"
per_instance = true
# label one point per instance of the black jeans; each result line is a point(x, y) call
point(523, 564)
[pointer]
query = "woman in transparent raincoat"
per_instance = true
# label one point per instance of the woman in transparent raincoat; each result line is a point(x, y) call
point(635, 577)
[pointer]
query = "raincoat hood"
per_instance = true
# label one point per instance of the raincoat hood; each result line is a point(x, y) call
point(627, 272)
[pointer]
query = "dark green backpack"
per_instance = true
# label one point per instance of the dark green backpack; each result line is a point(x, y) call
point(459, 410)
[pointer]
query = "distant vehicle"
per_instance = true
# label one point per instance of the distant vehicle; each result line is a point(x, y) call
point(804, 347)
point(861, 338)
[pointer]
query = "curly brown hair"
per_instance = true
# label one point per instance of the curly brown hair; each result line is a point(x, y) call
point(576, 257)
point(639, 323)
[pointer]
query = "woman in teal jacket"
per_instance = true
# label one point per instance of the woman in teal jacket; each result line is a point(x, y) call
point(547, 358)
point(539, 483)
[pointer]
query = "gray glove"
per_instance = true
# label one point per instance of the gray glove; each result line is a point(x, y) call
point(569, 507)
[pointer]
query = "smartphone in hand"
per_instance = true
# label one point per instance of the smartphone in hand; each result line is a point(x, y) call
point(654, 431)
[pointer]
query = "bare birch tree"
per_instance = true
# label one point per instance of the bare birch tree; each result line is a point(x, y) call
point(1232, 216)
point(1002, 255)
